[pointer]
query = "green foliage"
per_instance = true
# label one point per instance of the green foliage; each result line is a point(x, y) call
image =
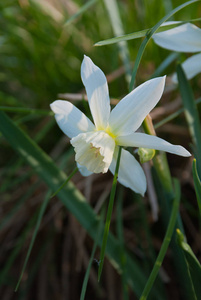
point(191, 114)
point(197, 184)
point(41, 50)
point(194, 266)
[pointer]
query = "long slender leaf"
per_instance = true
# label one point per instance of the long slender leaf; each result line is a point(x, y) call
point(11, 258)
point(191, 113)
point(120, 234)
point(165, 244)
point(173, 115)
point(72, 199)
point(25, 110)
point(117, 26)
point(193, 265)
point(170, 58)
point(86, 277)
point(84, 8)
point(40, 215)
point(197, 184)
point(165, 195)
point(140, 34)
point(149, 35)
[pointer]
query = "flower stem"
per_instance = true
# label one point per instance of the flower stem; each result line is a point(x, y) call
point(166, 241)
point(109, 214)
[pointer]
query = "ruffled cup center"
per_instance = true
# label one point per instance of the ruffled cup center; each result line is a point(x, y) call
point(94, 150)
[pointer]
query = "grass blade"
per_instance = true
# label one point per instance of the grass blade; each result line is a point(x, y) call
point(170, 58)
point(191, 113)
point(117, 26)
point(165, 244)
point(84, 286)
point(65, 182)
point(21, 240)
point(193, 265)
point(173, 115)
point(40, 215)
point(140, 34)
point(25, 110)
point(197, 184)
point(84, 8)
point(120, 234)
point(149, 35)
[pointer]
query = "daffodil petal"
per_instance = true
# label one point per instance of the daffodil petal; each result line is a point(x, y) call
point(96, 87)
point(130, 173)
point(151, 142)
point(70, 119)
point(191, 67)
point(184, 38)
point(129, 113)
point(83, 170)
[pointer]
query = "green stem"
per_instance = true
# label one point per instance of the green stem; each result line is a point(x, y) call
point(109, 214)
point(65, 182)
point(165, 244)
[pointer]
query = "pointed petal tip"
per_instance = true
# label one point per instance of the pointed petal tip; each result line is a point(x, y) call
point(86, 58)
point(186, 153)
point(57, 105)
point(52, 106)
point(142, 193)
point(163, 79)
point(181, 151)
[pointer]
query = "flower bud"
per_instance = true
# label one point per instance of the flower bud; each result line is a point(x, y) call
point(145, 154)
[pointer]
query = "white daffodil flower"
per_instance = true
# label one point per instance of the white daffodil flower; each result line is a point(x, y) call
point(184, 38)
point(96, 145)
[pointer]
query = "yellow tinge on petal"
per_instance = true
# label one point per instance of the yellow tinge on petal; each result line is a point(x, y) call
point(94, 150)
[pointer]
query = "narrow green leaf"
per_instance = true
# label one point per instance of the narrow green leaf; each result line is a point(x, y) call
point(197, 184)
point(165, 244)
point(117, 26)
point(120, 234)
point(25, 110)
point(191, 114)
point(86, 277)
point(173, 115)
point(166, 195)
point(194, 266)
point(132, 36)
point(166, 62)
point(72, 199)
point(65, 182)
point(149, 35)
point(11, 258)
point(40, 215)
point(140, 34)
point(84, 8)
point(17, 205)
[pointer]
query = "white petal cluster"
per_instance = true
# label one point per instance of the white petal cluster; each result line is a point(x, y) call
point(184, 38)
point(96, 145)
